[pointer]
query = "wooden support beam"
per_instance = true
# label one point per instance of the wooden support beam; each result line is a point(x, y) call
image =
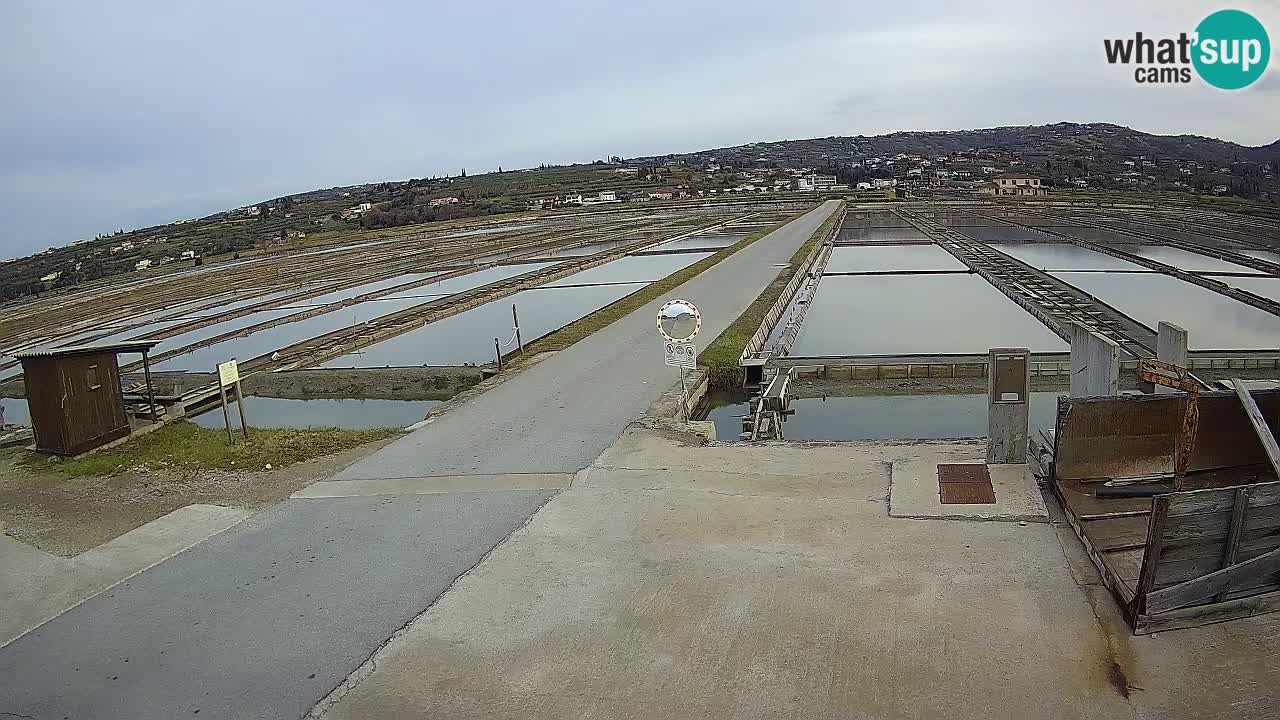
point(1151, 558)
point(1265, 436)
point(1234, 531)
point(1183, 594)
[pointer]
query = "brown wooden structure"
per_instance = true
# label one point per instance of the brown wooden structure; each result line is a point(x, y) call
point(75, 397)
point(1175, 558)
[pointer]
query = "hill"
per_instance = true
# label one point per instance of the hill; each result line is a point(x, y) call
point(1096, 156)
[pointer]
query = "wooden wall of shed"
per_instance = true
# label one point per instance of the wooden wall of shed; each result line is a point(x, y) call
point(1127, 436)
point(44, 403)
point(74, 417)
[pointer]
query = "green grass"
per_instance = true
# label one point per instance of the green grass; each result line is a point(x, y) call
point(607, 315)
point(185, 446)
point(721, 356)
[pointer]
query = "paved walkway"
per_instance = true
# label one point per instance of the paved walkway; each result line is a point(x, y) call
point(265, 619)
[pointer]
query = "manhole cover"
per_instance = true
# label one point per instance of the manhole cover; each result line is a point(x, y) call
point(964, 473)
point(965, 484)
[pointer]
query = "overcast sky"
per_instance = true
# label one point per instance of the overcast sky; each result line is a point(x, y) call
point(124, 114)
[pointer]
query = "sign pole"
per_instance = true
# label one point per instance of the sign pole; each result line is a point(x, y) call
point(684, 396)
point(244, 424)
point(226, 414)
point(516, 319)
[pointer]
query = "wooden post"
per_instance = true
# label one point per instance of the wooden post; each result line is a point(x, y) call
point(151, 395)
point(516, 320)
point(244, 424)
point(1260, 427)
point(497, 350)
point(226, 414)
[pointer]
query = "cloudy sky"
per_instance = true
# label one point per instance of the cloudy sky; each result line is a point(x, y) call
point(130, 113)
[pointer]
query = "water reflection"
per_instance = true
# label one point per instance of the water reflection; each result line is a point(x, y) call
point(892, 257)
point(1063, 256)
point(881, 417)
point(895, 314)
point(1213, 321)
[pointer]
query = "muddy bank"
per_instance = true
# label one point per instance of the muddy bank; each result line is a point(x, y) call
point(433, 383)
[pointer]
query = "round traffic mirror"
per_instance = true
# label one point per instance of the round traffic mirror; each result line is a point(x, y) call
point(679, 320)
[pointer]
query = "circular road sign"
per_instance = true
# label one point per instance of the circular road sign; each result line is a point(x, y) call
point(679, 320)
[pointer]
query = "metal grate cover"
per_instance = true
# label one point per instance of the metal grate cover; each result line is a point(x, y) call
point(965, 484)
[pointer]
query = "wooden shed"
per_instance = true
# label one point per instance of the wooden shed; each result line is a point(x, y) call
point(75, 397)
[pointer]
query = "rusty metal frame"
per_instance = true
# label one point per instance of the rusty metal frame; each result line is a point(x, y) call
point(1167, 374)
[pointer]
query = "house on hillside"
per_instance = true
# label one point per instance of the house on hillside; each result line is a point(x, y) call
point(1019, 185)
point(142, 265)
point(440, 202)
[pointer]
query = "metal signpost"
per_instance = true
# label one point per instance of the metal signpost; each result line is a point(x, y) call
point(679, 323)
point(229, 377)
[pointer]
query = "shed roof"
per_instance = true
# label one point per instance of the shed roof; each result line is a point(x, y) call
point(128, 346)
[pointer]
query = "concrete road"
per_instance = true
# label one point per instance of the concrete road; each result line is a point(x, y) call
point(262, 620)
point(770, 581)
point(559, 415)
point(267, 618)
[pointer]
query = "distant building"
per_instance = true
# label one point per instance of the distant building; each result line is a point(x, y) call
point(51, 277)
point(142, 265)
point(1017, 184)
point(188, 255)
point(604, 196)
point(440, 202)
point(627, 171)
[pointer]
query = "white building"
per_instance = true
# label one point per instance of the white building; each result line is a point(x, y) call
point(142, 265)
point(1017, 184)
point(188, 255)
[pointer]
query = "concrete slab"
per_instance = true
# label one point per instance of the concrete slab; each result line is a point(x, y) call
point(262, 620)
point(39, 586)
point(660, 588)
point(436, 484)
point(913, 491)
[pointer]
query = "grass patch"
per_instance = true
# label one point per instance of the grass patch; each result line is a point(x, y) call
point(185, 446)
point(721, 356)
point(618, 309)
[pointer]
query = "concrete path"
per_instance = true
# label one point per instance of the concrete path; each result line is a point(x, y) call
point(262, 620)
point(559, 415)
point(38, 586)
point(265, 619)
point(676, 581)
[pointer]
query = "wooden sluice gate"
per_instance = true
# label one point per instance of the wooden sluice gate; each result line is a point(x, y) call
point(1176, 498)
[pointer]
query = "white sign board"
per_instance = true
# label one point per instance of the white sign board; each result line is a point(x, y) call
point(228, 373)
point(681, 355)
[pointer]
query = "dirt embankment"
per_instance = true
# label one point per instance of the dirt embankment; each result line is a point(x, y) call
point(428, 383)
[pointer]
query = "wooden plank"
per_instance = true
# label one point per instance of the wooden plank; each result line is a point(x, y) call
point(1198, 615)
point(1233, 537)
point(1120, 589)
point(1151, 559)
point(1213, 500)
point(1117, 533)
point(1265, 436)
point(1181, 595)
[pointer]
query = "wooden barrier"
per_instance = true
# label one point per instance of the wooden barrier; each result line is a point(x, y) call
point(1174, 559)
